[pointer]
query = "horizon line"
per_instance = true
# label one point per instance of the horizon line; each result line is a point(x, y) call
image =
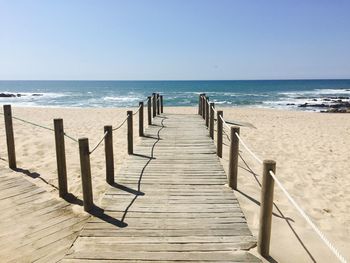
point(293, 79)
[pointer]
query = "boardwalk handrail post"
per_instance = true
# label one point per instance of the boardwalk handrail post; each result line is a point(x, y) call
point(154, 105)
point(233, 158)
point(211, 121)
point(130, 133)
point(86, 173)
point(219, 133)
point(207, 111)
point(11, 152)
point(161, 104)
point(149, 110)
point(266, 208)
point(203, 106)
point(109, 154)
point(200, 104)
point(158, 104)
point(141, 119)
point(60, 157)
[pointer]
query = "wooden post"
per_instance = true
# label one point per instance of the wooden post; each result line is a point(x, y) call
point(203, 106)
point(130, 133)
point(109, 154)
point(211, 124)
point(11, 152)
point(149, 110)
point(207, 111)
point(233, 158)
point(154, 105)
point(141, 119)
point(219, 133)
point(200, 104)
point(60, 157)
point(266, 208)
point(86, 173)
point(158, 104)
point(161, 104)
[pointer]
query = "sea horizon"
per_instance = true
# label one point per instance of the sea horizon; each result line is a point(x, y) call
point(289, 94)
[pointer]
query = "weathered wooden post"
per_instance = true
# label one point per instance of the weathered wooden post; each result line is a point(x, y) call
point(266, 208)
point(130, 133)
point(233, 158)
point(154, 105)
point(141, 119)
point(161, 104)
point(149, 110)
point(60, 157)
point(207, 111)
point(203, 106)
point(200, 104)
point(211, 124)
point(11, 152)
point(219, 133)
point(109, 154)
point(86, 173)
point(158, 104)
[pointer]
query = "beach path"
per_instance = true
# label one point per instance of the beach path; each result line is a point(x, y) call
point(169, 203)
point(34, 226)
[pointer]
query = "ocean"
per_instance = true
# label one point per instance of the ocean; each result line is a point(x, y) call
point(282, 94)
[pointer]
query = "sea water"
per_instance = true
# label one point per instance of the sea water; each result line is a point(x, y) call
point(286, 94)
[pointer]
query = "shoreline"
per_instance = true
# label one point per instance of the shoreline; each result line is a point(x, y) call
point(311, 153)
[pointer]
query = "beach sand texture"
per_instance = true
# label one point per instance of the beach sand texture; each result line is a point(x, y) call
point(311, 151)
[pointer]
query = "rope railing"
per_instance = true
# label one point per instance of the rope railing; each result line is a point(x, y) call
point(98, 144)
point(248, 149)
point(120, 125)
point(70, 137)
point(32, 123)
point(308, 220)
point(224, 122)
point(264, 249)
point(83, 145)
point(40, 126)
point(137, 110)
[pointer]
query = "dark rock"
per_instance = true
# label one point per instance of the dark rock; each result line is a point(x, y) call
point(314, 99)
point(7, 95)
point(334, 110)
point(37, 95)
point(19, 95)
point(290, 104)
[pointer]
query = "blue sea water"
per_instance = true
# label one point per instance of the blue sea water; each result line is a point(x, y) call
point(286, 94)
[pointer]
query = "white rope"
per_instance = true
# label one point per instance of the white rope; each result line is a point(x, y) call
point(308, 220)
point(70, 137)
point(228, 127)
point(32, 123)
point(214, 109)
point(104, 136)
point(137, 110)
point(250, 151)
point(121, 123)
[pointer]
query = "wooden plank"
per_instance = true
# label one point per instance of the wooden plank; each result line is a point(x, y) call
point(172, 197)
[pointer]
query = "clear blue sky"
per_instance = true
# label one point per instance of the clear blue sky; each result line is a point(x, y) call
point(179, 39)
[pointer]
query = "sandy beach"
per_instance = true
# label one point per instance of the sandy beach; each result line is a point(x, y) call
point(311, 151)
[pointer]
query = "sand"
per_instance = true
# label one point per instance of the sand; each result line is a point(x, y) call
point(311, 151)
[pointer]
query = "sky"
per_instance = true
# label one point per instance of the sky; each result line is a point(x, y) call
point(174, 39)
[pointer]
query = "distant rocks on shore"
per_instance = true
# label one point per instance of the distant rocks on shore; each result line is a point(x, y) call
point(13, 95)
point(329, 104)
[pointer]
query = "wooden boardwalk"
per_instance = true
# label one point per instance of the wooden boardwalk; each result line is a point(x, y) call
point(34, 226)
point(170, 204)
